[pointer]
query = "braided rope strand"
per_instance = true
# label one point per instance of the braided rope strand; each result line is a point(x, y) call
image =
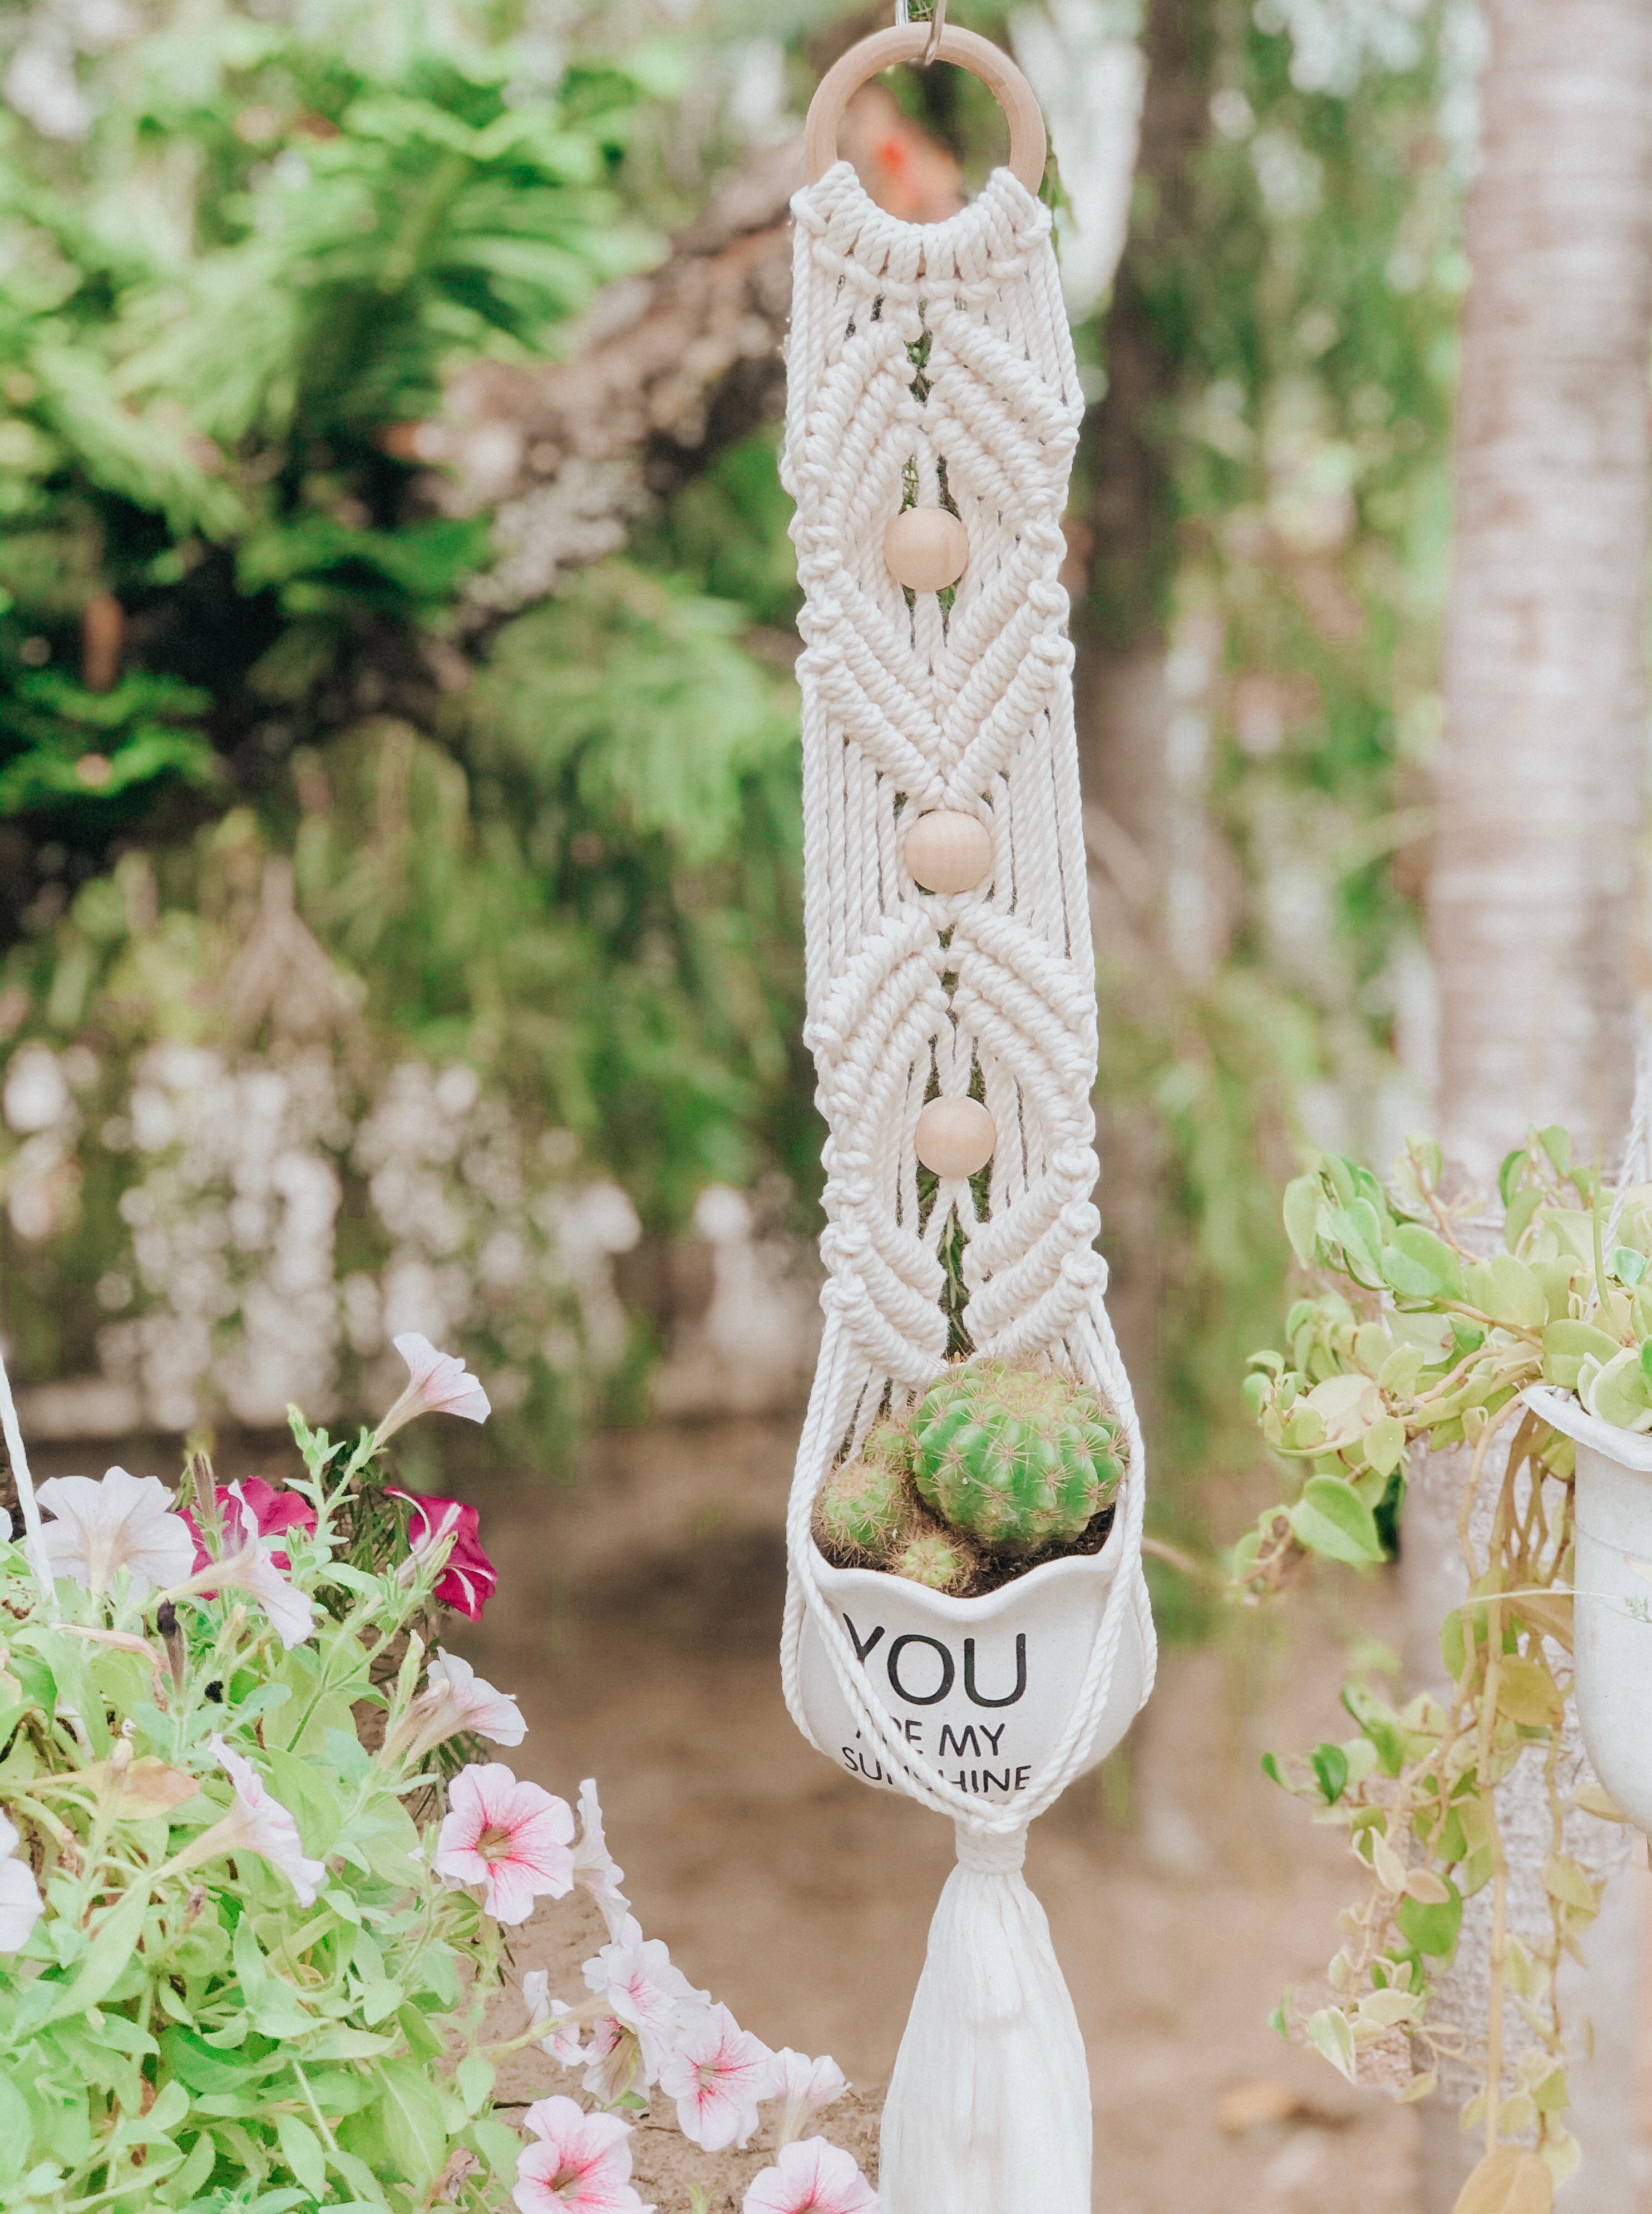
point(937, 359)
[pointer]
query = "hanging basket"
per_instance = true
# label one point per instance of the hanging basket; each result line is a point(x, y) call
point(933, 412)
point(1611, 1580)
point(984, 1688)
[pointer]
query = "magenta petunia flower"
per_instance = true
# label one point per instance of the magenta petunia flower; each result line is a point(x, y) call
point(581, 2164)
point(811, 2178)
point(273, 1509)
point(467, 1582)
point(718, 2074)
point(513, 1838)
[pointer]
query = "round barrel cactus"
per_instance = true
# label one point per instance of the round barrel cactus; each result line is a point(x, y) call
point(1017, 1457)
point(939, 1559)
point(867, 1506)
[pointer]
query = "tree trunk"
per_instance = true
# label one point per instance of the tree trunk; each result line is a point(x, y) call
point(1541, 781)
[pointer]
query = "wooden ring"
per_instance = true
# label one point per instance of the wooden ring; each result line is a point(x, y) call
point(906, 43)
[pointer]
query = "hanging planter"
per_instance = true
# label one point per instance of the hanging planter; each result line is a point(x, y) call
point(1612, 1578)
point(975, 1633)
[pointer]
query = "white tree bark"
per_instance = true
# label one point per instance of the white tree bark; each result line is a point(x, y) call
point(1541, 781)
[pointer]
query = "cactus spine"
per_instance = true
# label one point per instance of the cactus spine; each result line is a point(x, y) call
point(1018, 1457)
point(867, 1506)
point(939, 1559)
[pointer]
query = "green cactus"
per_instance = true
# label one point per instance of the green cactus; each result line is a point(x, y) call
point(1019, 1458)
point(937, 1559)
point(867, 1506)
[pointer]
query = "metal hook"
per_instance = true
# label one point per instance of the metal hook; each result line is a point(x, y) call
point(937, 25)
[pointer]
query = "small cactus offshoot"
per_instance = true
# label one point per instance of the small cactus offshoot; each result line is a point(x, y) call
point(1017, 1457)
point(939, 1560)
point(867, 1506)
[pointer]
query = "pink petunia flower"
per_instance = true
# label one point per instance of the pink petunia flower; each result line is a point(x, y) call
point(808, 2088)
point(581, 2165)
point(121, 1522)
point(438, 1384)
point(246, 1565)
point(718, 2074)
point(594, 1866)
point(256, 1824)
point(511, 1837)
point(811, 2178)
point(645, 1993)
point(467, 1582)
point(273, 1507)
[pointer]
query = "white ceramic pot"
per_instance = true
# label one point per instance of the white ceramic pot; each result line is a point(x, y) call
point(981, 1687)
point(1612, 1580)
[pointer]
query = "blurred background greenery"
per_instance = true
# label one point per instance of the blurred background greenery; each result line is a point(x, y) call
point(399, 810)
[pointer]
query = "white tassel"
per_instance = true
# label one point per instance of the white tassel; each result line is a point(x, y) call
point(988, 2110)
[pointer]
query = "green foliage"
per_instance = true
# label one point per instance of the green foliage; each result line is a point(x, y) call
point(1017, 1459)
point(260, 262)
point(178, 2023)
point(1422, 1333)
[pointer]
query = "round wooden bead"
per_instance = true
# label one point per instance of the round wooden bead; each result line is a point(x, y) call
point(956, 1137)
point(948, 851)
point(927, 548)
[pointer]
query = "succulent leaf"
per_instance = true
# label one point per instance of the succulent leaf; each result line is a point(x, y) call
point(1017, 1457)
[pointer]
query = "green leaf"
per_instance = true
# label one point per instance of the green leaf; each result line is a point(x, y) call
point(1384, 1444)
point(309, 1792)
point(1507, 1290)
point(1627, 1265)
point(1331, 2035)
point(1557, 1142)
point(1439, 1272)
point(1567, 1345)
point(1621, 1393)
point(1330, 1764)
point(1453, 1646)
point(1302, 1217)
point(304, 2152)
point(16, 2131)
point(1271, 1770)
point(1330, 1518)
point(1432, 1929)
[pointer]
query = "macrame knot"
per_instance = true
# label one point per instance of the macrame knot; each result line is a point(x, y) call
point(990, 1852)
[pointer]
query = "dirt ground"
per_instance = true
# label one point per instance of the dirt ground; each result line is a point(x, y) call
point(637, 1621)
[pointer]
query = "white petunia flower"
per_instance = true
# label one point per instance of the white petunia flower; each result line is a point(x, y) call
point(455, 1699)
point(123, 1522)
point(20, 1906)
point(256, 1823)
point(438, 1384)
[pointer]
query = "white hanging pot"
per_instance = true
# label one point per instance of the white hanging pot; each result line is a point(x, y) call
point(1613, 1582)
point(980, 1688)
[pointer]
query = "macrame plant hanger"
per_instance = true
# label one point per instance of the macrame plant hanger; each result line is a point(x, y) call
point(951, 1013)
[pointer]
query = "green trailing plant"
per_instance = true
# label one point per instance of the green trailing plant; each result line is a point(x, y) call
point(1435, 1310)
point(1019, 1458)
point(258, 1871)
